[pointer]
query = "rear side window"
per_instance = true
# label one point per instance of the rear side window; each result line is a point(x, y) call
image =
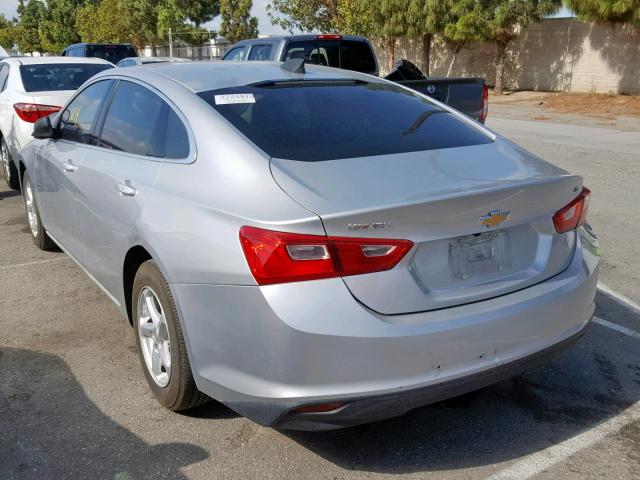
point(112, 53)
point(140, 122)
point(260, 52)
point(347, 54)
point(57, 76)
point(77, 121)
point(321, 53)
point(235, 54)
point(315, 121)
point(357, 56)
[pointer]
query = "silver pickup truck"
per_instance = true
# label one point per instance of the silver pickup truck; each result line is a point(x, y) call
point(468, 95)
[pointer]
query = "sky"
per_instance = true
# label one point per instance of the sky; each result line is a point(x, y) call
point(8, 8)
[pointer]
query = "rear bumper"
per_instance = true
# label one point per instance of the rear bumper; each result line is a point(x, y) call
point(264, 351)
point(369, 409)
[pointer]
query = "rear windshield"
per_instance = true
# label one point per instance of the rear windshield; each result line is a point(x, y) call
point(348, 54)
point(112, 53)
point(312, 121)
point(61, 76)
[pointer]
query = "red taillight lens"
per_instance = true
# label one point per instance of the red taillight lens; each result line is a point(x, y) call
point(31, 112)
point(574, 214)
point(485, 103)
point(280, 257)
point(329, 36)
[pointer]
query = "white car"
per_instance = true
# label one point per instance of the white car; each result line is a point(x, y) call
point(31, 88)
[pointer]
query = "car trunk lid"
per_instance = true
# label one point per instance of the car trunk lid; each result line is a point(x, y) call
point(480, 218)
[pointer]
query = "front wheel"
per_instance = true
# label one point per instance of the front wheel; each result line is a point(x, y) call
point(8, 167)
point(38, 233)
point(161, 345)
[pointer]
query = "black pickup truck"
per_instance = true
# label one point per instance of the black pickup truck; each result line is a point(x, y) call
point(468, 95)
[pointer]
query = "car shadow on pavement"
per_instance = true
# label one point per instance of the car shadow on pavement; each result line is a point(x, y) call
point(589, 384)
point(50, 429)
point(9, 194)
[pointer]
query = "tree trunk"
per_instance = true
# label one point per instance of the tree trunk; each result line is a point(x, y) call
point(500, 61)
point(391, 52)
point(426, 52)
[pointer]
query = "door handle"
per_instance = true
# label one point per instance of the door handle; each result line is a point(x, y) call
point(69, 166)
point(126, 189)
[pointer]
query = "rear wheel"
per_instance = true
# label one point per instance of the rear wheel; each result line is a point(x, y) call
point(38, 233)
point(161, 345)
point(8, 167)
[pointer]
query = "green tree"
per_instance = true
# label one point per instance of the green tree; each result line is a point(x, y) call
point(305, 15)
point(498, 21)
point(199, 11)
point(7, 33)
point(118, 21)
point(169, 16)
point(423, 19)
point(624, 11)
point(237, 22)
point(26, 34)
point(355, 17)
point(58, 26)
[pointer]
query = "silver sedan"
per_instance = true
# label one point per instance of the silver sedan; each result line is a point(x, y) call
point(312, 247)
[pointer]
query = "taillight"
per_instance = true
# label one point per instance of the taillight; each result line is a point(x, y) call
point(31, 112)
point(574, 214)
point(485, 103)
point(280, 257)
point(329, 36)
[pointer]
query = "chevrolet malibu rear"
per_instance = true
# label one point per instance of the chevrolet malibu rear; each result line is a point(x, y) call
point(343, 250)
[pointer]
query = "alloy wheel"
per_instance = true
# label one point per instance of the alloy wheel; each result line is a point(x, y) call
point(154, 337)
point(31, 210)
point(4, 157)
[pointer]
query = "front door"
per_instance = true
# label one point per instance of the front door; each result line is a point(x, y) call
point(57, 163)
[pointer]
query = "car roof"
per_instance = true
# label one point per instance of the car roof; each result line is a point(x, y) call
point(205, 76)
point(54, 59)
point(92, 43)
point(299, 38)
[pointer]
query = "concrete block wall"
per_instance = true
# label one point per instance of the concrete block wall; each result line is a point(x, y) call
point(558, 54)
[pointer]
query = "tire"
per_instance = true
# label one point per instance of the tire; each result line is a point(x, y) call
point(38, 232)
point(173, 384)
point(9, 167)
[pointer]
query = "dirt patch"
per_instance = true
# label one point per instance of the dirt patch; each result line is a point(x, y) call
point(600, 106)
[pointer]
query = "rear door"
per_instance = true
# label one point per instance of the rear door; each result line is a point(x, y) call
point(57, 164)
point(139, 131)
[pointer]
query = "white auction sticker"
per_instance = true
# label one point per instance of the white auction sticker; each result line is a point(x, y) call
point(234, 98)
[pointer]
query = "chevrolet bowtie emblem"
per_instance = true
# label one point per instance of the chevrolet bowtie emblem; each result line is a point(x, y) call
point(494, 218)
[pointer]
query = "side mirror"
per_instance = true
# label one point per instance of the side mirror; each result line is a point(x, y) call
point(43, 128)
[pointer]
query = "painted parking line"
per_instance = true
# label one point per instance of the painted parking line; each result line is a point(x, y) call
point(35, 262)
point(626, 301)
point(541, 461)
point(617, 328)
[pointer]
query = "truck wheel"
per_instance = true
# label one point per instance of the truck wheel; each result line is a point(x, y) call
point(161, 345)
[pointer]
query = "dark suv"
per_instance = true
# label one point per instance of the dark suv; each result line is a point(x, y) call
point(112, 52)
point(340, 51)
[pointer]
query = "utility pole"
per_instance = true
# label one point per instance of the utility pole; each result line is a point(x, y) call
point(170, 44)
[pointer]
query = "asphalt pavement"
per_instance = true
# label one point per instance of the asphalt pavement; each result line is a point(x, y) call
point(74, 403)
